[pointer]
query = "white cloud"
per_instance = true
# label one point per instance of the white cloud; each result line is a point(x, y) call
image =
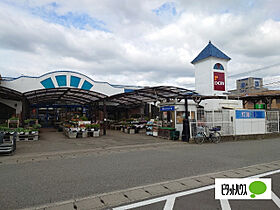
point(142, 48)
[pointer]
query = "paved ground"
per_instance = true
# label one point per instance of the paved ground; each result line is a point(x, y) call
point(204, 198)
point(53, 141)
point(59, 178)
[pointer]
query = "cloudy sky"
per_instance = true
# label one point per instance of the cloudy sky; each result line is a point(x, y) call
point(138, 42)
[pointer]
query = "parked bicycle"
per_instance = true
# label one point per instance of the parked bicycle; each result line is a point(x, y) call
point(208, 134)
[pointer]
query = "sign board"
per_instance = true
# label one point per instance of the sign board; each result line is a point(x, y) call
point(260, 106)
point(167, 108)
point(219, 81)
point(249, 114)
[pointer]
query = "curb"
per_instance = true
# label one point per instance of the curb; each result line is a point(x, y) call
point(84, 152)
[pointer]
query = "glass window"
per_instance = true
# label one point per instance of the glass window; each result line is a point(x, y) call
point(75, 81)
point(242, 85)
point(48, 83)
point(218, 66)
point(257, 83)
point(180, 117)
point(61, 80)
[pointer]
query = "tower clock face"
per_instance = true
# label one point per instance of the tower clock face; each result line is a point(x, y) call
point(219, 81)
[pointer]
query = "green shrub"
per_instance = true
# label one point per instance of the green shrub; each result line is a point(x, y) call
point(37, 126)
point(83, 118)
point(96, 125)
point(13, 118)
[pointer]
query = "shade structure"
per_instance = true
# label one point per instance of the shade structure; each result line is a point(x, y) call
point(70, 95)
point(150, 94)
point(7, 93)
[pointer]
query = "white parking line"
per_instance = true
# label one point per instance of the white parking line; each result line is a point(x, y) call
point(169, 203)
point(159, 199)
point(275, 199)
point(172, 197)
point(225, 204)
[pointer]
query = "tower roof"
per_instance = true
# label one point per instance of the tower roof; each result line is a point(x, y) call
point(210, 51)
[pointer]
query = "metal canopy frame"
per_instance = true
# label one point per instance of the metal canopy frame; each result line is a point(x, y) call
point(150, 94)
point(52, 95)
point(265, 98)
point(7, 93)
point(260, 97)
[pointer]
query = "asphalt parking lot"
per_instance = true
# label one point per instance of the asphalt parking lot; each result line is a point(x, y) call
point(53, 141)
point(204, 198)
point(75, 178)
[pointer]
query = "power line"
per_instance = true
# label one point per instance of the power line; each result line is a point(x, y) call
point(254, 70)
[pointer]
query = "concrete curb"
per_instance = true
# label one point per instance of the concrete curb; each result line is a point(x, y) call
point(121, 197)
point(84, 152)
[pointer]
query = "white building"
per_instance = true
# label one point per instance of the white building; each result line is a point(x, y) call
point(211, 71)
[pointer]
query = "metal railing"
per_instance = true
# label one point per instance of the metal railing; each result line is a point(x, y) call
point(272, 121)
point(226, 127)
point(223, 119)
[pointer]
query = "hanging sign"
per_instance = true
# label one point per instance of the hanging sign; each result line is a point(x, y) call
point(219, 81)
point(167, 108)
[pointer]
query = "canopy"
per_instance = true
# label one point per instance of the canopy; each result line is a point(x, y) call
point(54, 95)
point(150, 94)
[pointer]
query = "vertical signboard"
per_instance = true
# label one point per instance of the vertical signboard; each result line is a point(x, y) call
point(219, 81)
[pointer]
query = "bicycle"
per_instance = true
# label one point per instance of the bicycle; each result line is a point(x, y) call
point(214, 135)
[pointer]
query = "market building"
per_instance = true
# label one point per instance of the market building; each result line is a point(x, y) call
point(76, 103)
point(54, 90)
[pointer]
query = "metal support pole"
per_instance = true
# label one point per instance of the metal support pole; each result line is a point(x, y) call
point(186, 124)
point(150, 110)
point(213, 118)
point(96, 109)
point(278, 121)
point(104, 117)
point(25, 110)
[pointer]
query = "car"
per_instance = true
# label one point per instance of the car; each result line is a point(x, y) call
point(7, 142)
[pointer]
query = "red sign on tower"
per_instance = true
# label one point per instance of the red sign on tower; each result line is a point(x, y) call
point(219, 81)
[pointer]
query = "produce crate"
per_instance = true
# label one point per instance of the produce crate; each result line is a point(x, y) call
point(84, 134)
point(90, 133)
point(96, 133)
point(22, 137)
point(72, 135)
point(131, 131)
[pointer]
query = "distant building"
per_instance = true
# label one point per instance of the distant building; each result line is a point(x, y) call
point(267, 99)
point(248, 85)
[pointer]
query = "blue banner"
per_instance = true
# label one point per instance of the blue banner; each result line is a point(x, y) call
point(249, 114)
point(167, 108)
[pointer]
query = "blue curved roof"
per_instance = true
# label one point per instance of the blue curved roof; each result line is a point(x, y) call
point(210, 51)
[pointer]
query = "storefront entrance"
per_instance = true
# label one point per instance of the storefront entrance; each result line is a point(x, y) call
point(51, 115)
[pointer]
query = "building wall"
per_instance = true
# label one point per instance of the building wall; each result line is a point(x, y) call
point(16, 105)
point(219, 104)
point(56, 79)
point(248, 85)
point(6, 112)
point(204, 76)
